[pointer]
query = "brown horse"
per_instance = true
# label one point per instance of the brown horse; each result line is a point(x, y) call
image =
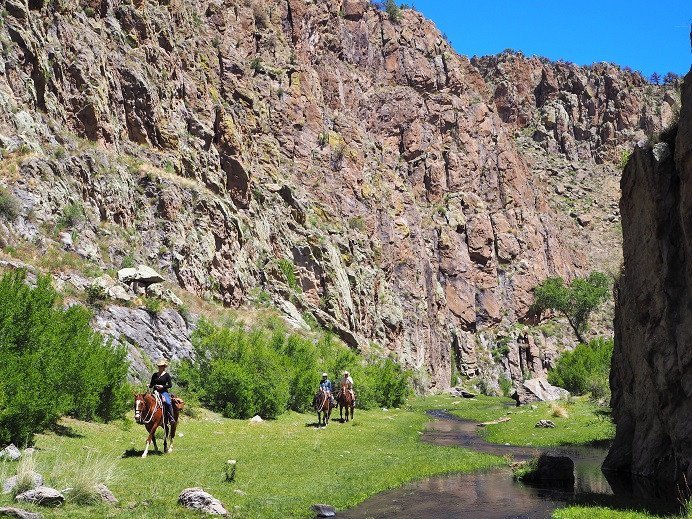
point(150, 412)
point(346, 401)
point(323, 405)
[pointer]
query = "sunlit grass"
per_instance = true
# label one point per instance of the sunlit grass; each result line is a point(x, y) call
point(583, 512)
point(585, 423)
point(283, 466)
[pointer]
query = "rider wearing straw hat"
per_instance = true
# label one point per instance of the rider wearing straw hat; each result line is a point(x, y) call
point(347, 384)
point(162, 382)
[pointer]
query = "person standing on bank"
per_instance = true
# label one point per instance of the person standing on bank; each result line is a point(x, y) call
point(162, 382)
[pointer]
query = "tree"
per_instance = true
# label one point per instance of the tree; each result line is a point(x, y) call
point(670, 78)
point(393, 10)
point(655, 78)
point(575, 301)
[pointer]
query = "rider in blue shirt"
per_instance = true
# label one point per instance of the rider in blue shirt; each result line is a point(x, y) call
point(326, 385)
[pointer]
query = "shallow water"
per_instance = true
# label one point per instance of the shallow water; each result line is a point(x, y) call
point(495, 495)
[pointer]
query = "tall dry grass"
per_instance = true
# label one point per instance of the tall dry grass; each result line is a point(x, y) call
point(83, 476)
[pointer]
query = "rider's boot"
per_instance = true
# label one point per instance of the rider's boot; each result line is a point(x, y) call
point(169, 409)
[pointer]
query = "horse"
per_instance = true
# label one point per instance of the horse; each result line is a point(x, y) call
point(346, 401)
point(150, 412)
point(323, 405)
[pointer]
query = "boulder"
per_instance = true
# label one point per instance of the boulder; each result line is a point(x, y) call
point(44, 496)
point(323, 510)
point(198, 499)
point(163, 293)
point(142, 274)
point(106, 495)
point(538, 390)
point(546, 424)
point(8, 511)
point(10, 483)
point(455, 391)
point(256, 419)
point(11, 453)
point(551, 468)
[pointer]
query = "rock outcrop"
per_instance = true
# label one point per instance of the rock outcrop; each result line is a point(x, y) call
point(201, 501)
point(537, 390)
point(651, 375)
point(313, 152)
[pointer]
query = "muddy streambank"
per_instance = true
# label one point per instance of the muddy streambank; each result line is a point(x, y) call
point(495, 495)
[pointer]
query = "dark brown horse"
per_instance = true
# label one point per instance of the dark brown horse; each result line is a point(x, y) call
point(323, 405)
point(346, 401)
point(150, 412)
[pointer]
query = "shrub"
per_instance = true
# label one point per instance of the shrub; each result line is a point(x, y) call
point(584, 369)
point(52, 363)
point(241, 372)
point(624, 158)
point(9, 205)
point(72, 215)
point(393, 10)
point(288, 270)
point(96, 296)
point(153, 305)
point(505, 385)
point(558, 411)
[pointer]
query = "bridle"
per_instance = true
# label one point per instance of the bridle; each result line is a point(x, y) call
point(138, 412)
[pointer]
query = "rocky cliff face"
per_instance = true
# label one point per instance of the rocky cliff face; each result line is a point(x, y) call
point(351, 169)
point(651, 375)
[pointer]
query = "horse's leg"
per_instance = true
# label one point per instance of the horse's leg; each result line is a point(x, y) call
point(149, 438)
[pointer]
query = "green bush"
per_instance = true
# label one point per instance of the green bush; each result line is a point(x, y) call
point(241, 373)
point(52, 363)
point(9, 205)
point(289, 271)
point(393, 10)
point(72, 215)
point(585, 369)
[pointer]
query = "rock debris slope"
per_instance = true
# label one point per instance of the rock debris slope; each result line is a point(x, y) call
point(345, 166)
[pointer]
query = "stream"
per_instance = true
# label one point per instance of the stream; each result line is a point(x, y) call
point(494, 494)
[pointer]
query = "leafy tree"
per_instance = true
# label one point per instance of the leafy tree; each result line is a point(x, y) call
point(670, 78)
point(655, 78)
point(393, 10)
point(575, 301)
point(52, 363)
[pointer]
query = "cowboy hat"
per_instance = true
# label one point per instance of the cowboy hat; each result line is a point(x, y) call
point(324, 375)
point(162, 362)
point(345, 372)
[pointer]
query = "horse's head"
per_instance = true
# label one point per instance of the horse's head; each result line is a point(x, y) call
point(140, 406)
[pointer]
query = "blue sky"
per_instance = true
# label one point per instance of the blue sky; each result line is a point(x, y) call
point(645, 35)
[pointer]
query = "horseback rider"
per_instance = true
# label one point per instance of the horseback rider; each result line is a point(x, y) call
point(347, 384)
point(326, 386)
point(161, 382)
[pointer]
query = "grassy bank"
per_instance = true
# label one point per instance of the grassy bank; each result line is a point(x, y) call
point(283, 466)
point(585, 423)
point(583, 512)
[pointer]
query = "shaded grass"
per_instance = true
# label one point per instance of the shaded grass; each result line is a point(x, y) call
point(283, 466)
point(586, 423)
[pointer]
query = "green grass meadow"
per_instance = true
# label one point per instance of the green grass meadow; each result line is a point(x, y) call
point(283, 465)
point(586, 423)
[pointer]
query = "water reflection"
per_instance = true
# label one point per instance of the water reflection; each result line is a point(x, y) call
point(494, 494)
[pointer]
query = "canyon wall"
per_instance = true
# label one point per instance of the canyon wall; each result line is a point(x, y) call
point(350, 169)
point(651, 375)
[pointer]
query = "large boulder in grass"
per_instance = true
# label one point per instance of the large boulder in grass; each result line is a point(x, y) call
point(198, 499)
point(11, 453)
point(324, 510)
point(10, 483)
point(8, 511)
point(538, 390)
point(44, 496)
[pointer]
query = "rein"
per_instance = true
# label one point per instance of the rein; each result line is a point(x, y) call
point(324, 400)
point(153, 412)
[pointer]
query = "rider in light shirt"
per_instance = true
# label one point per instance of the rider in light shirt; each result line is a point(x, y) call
point(347, 383)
